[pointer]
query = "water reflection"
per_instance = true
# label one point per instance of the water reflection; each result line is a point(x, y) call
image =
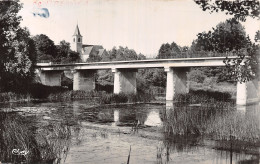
point(120, 115)
point(236, 130)
point(59, 132)
point(153, 119)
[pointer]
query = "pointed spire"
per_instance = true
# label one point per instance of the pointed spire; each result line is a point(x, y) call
point(77, 31)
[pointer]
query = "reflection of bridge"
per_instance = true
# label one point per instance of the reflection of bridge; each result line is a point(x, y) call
point(125, 75)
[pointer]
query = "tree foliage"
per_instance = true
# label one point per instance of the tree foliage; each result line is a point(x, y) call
point(121, 54)
point(240, 9)
point(225, 37)
point(17, 49)
point(46, 50)
point(168, 51)
point(241, 69)
point(65, 54)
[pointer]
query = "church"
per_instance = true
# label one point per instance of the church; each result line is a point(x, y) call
point(85, 50)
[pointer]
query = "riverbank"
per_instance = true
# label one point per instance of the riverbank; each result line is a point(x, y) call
point(56, 94)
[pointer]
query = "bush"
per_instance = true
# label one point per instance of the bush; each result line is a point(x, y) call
point(14, 97)
point(124, 98)
point(196, 75)
point(205, 97)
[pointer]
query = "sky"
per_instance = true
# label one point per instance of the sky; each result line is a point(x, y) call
point(142, 25)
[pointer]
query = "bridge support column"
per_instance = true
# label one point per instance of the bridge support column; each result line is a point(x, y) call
point(247, 92)
point(50, 78)
point(124, 80)
point(176, 82)
point(84, 80)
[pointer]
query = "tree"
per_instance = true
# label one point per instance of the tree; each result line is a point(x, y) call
point(168, 51)
point(225, 37)
point(17, 49)
point(46, 50)
point(94, 57)
point(65, 54)
point(63, 49)
point(240, 10)
point(122, 54)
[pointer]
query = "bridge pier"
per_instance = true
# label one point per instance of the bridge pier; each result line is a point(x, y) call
point(50, 78)
point(84, 80)
point(176, 82)
point(124, 80)
point(247, 92)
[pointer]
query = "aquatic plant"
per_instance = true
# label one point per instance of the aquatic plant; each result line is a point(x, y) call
point(215, 123)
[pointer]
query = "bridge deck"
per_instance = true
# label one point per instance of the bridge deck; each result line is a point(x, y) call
point(157, 63)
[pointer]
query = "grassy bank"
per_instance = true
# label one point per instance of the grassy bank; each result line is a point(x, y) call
point(102, 97)
point(41, 143)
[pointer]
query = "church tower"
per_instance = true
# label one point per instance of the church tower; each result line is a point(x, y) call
point(77, 41)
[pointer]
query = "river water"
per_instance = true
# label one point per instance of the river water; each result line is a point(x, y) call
point(118, 133)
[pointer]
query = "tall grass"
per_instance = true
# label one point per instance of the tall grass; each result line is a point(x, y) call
point(15, 97)
point(42, 143)
point(72, 95)
point(218, 124)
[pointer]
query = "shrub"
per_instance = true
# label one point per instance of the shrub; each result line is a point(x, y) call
point(213, 98)
point(196, 75)
point(14, 97)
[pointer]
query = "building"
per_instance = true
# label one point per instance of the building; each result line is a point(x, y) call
point(83, 49)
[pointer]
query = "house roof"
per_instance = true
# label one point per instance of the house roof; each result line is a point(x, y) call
point(101, 51)
point(87, 50)
point(92, 49)
point(77, 31)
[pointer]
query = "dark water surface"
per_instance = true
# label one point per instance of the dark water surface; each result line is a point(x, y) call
point(104, 134)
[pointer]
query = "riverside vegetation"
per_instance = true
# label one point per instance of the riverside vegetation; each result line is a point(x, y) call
point(41, 142)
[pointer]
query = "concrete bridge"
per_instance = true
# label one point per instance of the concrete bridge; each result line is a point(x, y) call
point(125, 75)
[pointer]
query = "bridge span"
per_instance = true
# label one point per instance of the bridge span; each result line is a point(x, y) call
point(125, 75)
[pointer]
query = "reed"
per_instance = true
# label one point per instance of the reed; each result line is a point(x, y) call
point(44, 143)
point(14, 97)
point(215, 123)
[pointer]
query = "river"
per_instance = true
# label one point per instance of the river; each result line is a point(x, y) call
point(133, 133)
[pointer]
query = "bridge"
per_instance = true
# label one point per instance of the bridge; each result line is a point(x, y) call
point(125, 75)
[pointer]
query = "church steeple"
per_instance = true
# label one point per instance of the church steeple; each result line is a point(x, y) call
point(77, 41)
point(77, 31)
